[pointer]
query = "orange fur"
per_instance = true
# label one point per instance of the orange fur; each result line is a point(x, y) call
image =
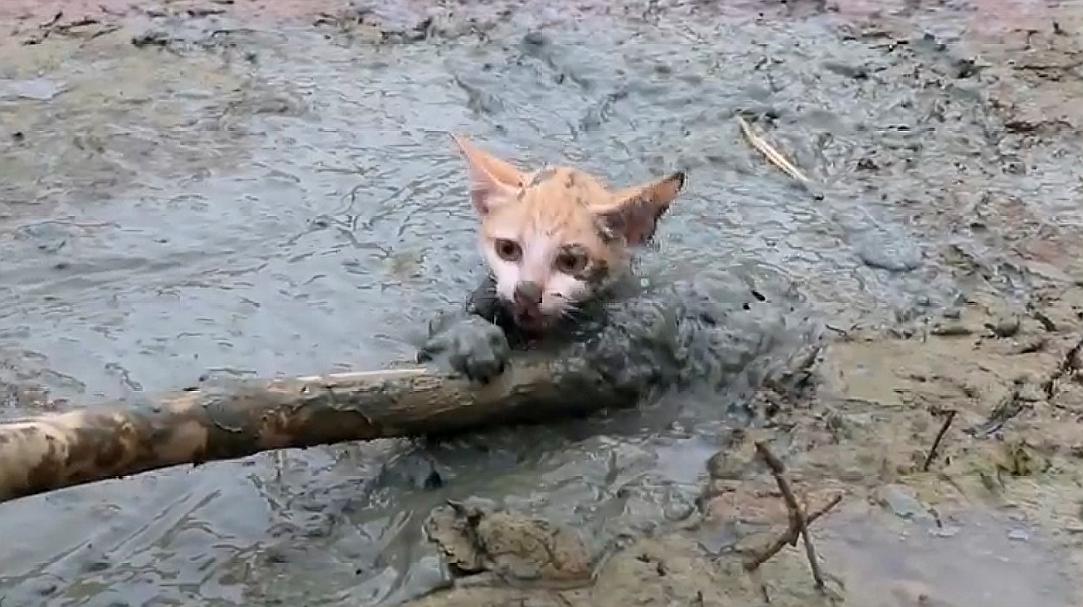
point(558, 229)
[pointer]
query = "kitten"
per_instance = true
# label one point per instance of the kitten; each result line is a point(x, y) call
point(553, 239)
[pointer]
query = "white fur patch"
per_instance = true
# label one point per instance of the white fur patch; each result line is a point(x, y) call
point(506, 273)
point(560, 290)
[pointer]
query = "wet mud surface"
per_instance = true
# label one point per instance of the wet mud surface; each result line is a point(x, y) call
point(195, 191)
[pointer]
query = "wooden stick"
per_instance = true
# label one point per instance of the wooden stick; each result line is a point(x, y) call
point(798, 520)
point(773, 156)
point(198, 425)
point(790, 536)
point(950, 417)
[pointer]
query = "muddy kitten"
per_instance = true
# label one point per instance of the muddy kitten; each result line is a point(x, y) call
point(553, 240)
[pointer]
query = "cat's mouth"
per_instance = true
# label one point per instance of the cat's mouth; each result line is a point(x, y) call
point(531, 320)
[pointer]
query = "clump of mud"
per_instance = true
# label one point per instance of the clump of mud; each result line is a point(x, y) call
point(995, 506)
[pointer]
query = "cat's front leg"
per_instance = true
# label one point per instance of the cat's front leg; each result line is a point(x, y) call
point(468, 344)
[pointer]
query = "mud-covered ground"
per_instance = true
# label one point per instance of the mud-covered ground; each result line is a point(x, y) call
point(202, 190)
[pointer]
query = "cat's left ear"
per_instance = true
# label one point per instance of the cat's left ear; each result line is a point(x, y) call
point(634, 213)
point(492, 181)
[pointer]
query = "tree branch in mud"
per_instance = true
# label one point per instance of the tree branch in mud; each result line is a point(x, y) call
point(948, 418)
point(198, 425)
point(770, 153)
point(799, 521)
point(639, 346)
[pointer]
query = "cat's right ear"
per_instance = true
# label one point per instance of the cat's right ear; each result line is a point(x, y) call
point(492, 181)
point(634, 213)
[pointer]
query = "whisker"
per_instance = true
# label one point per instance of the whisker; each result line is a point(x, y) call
point(572, 311)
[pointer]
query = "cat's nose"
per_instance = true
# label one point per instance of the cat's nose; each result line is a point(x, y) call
point(528, 294)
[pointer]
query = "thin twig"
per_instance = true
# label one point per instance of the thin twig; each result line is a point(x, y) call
point(799, 522)
point(51, 22)
point(790, 535)
point(773, 156)
point(950, 417)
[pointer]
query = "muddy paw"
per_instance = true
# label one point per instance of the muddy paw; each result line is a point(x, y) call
point(474, 347)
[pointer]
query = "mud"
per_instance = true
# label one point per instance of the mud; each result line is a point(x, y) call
point(192, 191)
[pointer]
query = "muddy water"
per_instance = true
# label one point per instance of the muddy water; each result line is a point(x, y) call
point(894, 562)
point(276, 197)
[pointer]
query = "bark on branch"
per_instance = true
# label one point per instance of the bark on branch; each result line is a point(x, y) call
point(199, 425)
point(650, 342)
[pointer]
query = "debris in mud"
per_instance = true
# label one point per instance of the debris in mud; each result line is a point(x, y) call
point(516, 549)
point(799, 520)
point(205, 11)
point(405, 22)
point(948, 418)
point(902, 501)
point(43, 30)
point(770, 153)
point(1018, 458)
point(51, 22)
point(965, 68)
point(1009, 407)
point(867, 164)
point(86, 28)
point(1047, 323)
point(151, 38)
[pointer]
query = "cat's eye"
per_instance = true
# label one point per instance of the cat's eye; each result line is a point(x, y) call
point(571, 263)
point(508, 250)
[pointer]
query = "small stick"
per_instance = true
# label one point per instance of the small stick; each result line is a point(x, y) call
point(773, 156)
point(798, 521)
point(939, 437)
point(790, 535)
